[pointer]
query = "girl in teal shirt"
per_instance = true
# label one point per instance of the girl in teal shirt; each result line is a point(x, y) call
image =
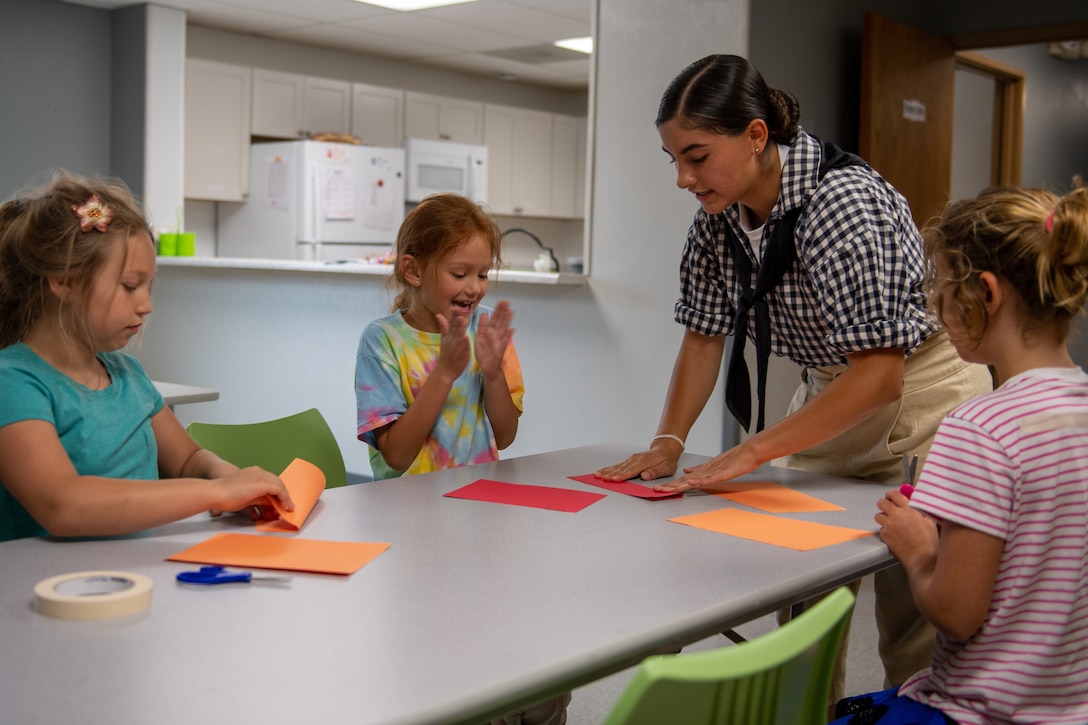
point(87, 447)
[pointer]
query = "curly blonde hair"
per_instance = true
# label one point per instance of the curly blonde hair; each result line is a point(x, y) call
point(1032, 239)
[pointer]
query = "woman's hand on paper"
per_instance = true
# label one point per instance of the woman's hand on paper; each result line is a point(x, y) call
point(658, 462)
point(724, 467)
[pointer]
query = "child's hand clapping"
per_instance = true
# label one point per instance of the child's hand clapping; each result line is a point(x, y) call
point(456, 349)
point(493, 334)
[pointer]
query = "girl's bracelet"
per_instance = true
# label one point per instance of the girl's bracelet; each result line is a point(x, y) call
point(671, 437)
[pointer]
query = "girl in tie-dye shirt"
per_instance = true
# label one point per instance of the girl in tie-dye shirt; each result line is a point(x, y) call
point(437, 382)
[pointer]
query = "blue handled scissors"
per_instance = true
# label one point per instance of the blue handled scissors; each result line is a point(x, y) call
point(219, 575)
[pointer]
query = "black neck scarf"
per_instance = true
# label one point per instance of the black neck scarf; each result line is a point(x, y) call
point(780, 254)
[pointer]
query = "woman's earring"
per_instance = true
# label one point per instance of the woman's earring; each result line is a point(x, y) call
point(757, 150)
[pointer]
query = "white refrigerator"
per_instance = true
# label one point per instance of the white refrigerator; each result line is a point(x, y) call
point(315, 201)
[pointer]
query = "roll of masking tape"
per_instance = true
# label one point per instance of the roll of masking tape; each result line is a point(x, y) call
point(92, 595)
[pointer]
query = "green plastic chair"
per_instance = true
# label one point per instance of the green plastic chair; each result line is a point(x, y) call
point(273, 444)
point(780, 678)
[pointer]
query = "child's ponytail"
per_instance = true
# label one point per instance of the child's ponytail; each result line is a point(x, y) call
point(1063, 259)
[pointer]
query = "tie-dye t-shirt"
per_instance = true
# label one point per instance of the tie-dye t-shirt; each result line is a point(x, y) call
point(393, 362)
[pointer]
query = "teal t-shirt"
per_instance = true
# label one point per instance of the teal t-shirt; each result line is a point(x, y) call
point(105, 432)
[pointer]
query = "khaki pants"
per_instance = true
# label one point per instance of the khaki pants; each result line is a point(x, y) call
point(935, 380)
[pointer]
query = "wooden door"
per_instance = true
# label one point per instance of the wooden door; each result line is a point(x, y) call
point(907, 101)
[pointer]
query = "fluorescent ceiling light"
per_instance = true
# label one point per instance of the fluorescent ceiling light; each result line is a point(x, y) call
point(582, 45)
point(409, 5)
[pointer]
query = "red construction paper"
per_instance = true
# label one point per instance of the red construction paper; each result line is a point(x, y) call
point(519, 494)
point(628, 487)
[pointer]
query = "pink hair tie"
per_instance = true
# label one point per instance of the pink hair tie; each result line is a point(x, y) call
point(1049, 224)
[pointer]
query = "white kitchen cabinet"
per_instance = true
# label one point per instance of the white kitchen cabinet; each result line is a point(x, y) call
point(568, 181)
point(277, 104)
point(326, 106)
point(442, 118)
point(286, 105)
point(519, 149)
point(217, 124)
point(377, 115)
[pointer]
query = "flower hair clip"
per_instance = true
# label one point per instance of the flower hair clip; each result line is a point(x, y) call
point(94, 214)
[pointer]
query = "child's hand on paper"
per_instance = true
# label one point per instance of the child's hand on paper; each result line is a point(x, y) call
point(493, 334)
point(252, 490)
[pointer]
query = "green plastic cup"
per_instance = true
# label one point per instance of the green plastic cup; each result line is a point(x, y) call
point(168, 244)
point(187, 244)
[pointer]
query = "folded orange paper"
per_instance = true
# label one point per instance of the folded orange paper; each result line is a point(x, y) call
point(304, 482)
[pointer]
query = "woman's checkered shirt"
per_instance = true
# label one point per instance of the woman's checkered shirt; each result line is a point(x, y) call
point(857, 281)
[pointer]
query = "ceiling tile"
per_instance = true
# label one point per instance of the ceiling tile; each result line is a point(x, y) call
point(450, 37)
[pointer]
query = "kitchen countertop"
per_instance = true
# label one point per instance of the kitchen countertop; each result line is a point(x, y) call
point(358, 268)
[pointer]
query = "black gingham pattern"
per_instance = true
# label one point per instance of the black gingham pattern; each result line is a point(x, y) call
point(857, 281)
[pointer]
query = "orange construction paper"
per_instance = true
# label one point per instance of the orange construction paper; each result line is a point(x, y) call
point(278, 552)
point(799, 535)
point(770, 496)
point(304, 482)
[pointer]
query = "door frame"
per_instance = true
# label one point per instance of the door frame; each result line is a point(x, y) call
point(1008, 115)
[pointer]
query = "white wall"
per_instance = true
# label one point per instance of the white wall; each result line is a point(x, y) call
point(596, 359)
point(164, 134)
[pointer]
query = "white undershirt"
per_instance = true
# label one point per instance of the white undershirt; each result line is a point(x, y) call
point(755, 235)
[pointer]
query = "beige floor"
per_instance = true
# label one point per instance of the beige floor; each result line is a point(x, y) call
point(590, 704)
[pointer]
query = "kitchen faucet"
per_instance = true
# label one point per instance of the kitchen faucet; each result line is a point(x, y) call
point(535, 238)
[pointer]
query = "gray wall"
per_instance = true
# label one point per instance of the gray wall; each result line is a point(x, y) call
point(813, 49)
point(55, 82)
point(1055, 115)
point(128, 73)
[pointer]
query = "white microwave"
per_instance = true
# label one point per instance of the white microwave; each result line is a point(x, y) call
point(440, 166)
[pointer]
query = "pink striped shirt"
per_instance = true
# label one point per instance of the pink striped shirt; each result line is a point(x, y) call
point(1014, 464)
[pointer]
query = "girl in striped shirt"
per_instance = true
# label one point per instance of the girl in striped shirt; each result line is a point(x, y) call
point(994, 540)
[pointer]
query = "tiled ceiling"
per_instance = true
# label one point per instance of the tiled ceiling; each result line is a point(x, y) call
point(510, 39)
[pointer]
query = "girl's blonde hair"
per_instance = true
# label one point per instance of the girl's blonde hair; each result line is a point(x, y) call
point(1032, 239)
point(41, 239)
point(433, 229)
